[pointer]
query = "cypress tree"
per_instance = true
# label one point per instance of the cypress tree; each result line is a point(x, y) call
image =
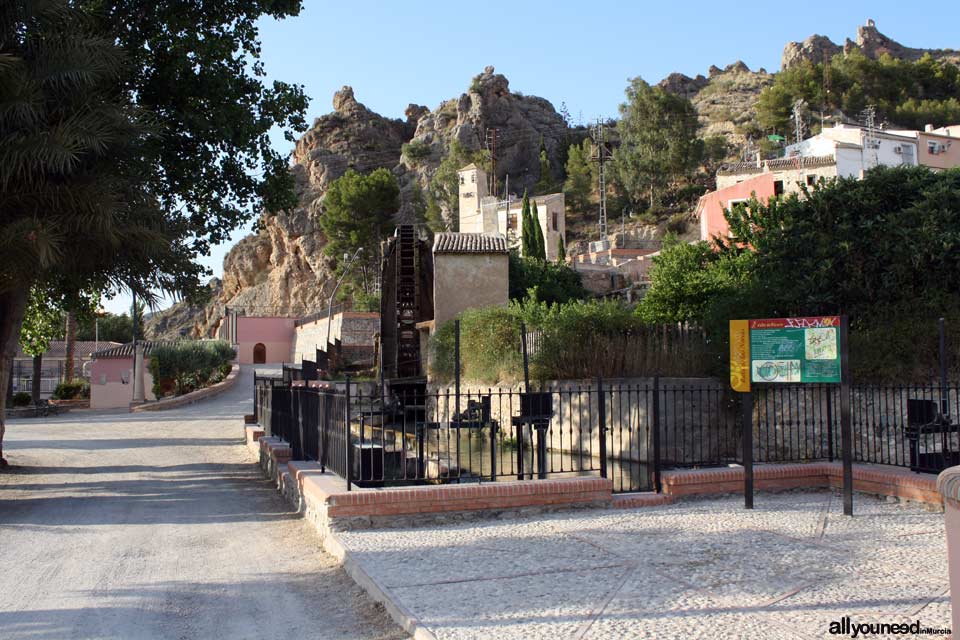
point(540, 247)
point(527, 241)
point(561, 250)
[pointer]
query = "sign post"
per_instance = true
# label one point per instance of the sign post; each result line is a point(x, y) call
point(810, 350)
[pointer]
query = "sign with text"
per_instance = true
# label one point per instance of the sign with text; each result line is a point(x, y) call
point(784, 350)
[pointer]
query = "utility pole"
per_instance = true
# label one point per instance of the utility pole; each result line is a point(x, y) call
point(491, 143)
point(600, 155)
point(799, 127)
point(869, 118)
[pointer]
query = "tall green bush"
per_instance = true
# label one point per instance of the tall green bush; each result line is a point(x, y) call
point(188, 365)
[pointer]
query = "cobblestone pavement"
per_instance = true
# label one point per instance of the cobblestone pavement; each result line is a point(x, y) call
point(699, 569)
point(159, 525)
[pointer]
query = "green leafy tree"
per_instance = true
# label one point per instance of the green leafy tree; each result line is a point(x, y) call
point(545, 183)
point(686, 279)
point(540, 248)
point(133, 136)
point(561, 250)
point(41, 324)
point(358, 214)
point(659, 143)
point(578, 186)
point(548, 282)
point(109, 327)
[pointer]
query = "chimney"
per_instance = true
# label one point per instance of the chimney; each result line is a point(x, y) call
point(759, 160)
point(928, 128)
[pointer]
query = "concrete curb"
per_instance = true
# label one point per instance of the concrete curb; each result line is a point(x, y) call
point(400, 614)
point(193, 396)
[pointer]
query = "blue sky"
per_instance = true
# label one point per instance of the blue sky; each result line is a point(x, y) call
point(581, 53)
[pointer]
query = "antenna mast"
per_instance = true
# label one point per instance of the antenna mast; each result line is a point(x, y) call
point(491, 143)
point(600, 155)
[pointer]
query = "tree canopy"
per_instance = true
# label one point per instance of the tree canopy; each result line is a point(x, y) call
point(884, 251)
point(909, 93)
point(358, 214)
point(133, 135)
point(659, 143)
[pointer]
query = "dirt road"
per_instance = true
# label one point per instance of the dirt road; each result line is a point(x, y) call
point(159, 526)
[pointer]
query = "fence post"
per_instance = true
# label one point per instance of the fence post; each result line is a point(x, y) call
point(846, 422)
point(830, 424)
point(747, 419)
point(656, 434)
point(323, 424)
point(602, 419)
point(944, 392)
point(456, 391)
point(349, 452)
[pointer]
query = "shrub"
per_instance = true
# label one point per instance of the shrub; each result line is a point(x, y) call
point(72, 390)
point(416, 150)
point(489, 346)
point(677, 223)
point(20, 399)
point(579, 339)
point(548, 282)
point(188, 365)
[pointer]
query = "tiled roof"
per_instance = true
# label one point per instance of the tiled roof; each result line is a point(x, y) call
point(82, 349)
point(126, 350)
point(795, 162)
point(470, 243)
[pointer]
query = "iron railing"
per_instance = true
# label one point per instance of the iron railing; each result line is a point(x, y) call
point(625, 432)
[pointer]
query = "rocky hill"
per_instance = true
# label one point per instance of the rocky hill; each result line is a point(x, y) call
point(282, 269)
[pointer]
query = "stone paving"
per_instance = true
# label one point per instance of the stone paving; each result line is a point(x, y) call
point(697, 569)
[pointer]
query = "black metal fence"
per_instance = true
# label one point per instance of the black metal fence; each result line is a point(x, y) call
point(626, 432)
point(911, 426)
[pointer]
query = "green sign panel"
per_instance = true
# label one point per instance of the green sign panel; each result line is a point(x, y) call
point(795, 350)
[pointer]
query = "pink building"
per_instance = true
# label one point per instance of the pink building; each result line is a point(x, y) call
point(711, 205)
point(260, 340)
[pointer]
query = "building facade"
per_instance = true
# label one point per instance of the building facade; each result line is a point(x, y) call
point(481, 212)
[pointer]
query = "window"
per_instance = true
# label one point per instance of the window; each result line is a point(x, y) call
point(473, 178)
point(778, 187)
point(462, 181)
point(512, 221)
point(554, 220)
point(811, 180)
point(933, 147)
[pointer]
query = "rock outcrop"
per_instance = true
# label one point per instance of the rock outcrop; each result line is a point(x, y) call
point(816, 49)
point(725, 100)
point(869, 41)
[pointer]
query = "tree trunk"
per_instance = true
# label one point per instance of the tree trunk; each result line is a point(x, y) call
point(71, 346)
point(13, 304)
point(35, 381)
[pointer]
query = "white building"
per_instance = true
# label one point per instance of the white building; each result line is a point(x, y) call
point(482, 213)
point(858, 150)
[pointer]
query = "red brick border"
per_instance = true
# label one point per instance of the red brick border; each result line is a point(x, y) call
point(875, 479)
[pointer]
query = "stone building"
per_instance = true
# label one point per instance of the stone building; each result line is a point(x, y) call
point(481, 212)
point(470, 270)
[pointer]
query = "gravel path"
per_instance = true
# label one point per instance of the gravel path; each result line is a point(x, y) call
point(159, 526)
point(701, 569)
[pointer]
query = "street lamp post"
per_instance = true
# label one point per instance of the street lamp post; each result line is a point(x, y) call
point(348, 260)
